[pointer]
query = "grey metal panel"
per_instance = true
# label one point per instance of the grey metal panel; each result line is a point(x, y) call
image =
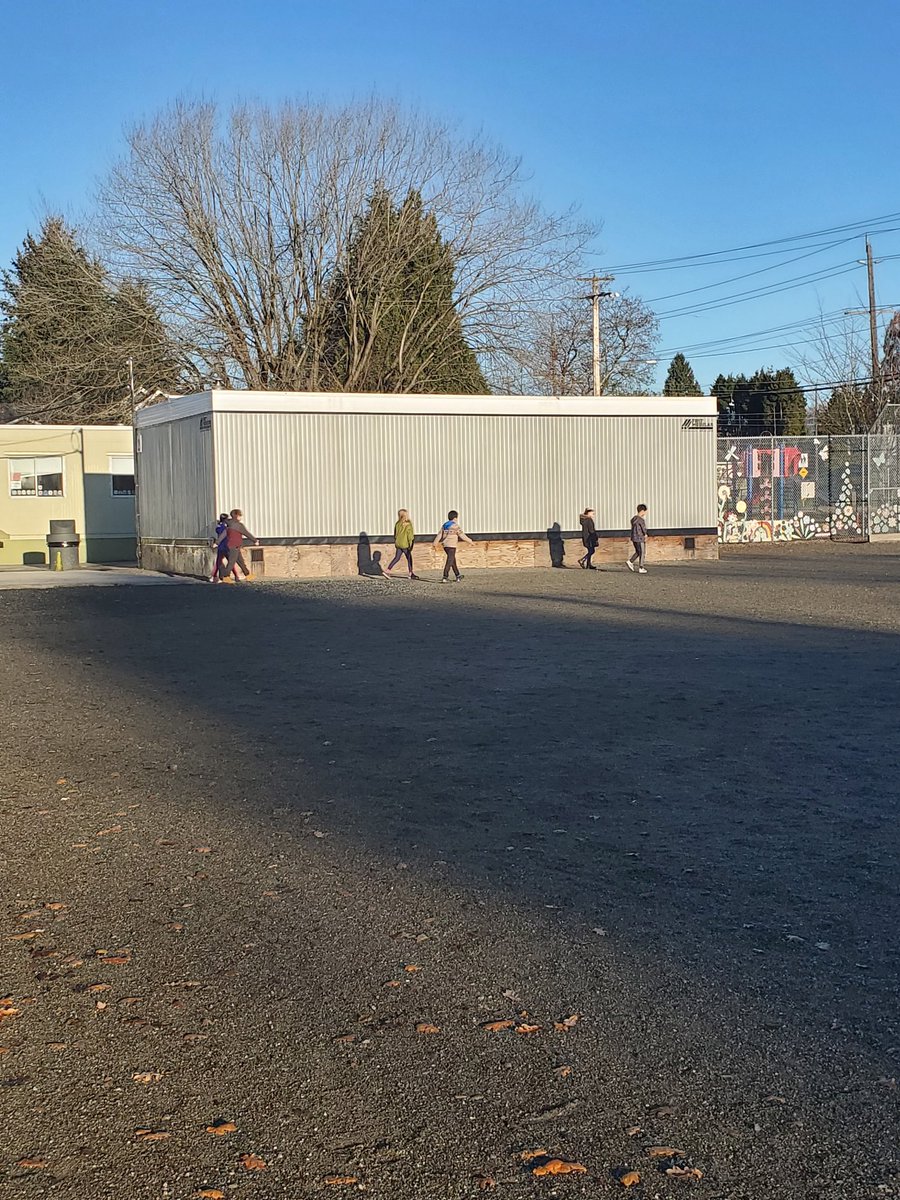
point(175, 480)
point(338, 474)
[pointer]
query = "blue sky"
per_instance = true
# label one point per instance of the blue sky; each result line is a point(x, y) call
point(684, 126)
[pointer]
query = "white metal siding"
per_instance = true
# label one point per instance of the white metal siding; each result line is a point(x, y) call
point(305, 474)
point(175, 480)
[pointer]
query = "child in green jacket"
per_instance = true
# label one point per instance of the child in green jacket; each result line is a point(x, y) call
point(404, 537)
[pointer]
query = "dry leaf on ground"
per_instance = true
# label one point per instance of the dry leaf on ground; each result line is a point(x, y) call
point(531, 1155)
point(203, 849)
point(7, 1011)
point(147, 1076)
point(340, 1180)
point(152, 1135)
point(425, 1027)
point(252, 1162)
point(98, 987)
point(528, 1029)
point(664, 1152)
point(31, 1164)
point(567, 1023)
point(558, 1166)
point(56, 906)
point(222, 1128)
point(112, 829)
point(127, 1001)
point(210, 1194)
point(411, 967)
point(633, 1130)
point(684, 1173)
point(630, 1178)
point(393, 983)
point(24, 937)
point(563, 1072)
point(485, 1183)
point(494, 1026)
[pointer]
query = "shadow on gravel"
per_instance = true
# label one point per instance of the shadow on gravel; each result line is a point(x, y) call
point(712, 792)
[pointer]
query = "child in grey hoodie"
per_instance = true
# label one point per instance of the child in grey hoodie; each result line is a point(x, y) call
point(639, 540)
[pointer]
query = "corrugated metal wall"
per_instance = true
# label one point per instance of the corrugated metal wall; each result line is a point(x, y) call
point(175, 480)
point(336, 475)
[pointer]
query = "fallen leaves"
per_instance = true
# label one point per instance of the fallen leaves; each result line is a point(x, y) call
point(485, 1183)
point(24, 937)
point(567, 1023)
point(152, 1135)
point(664, 1152)
point(221, 1128)
point(630, 1178)
point(411, 968)
point(56, 906)
point(528, 1029)
point(210, 1194)
point(496, 1026)
point(559, 1166)
point(7, 1010)
point(252, 1162)
point(116, 957)
point(106, 832)
point(426, 1027)
point(147, 1076)
point(528, 1156)
point(31, 1164)
point(677, 1172)
point(633, 1130)
point(98, 987)
point(562, 1072)
point(340, 1180)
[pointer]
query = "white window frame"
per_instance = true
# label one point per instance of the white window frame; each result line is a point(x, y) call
point(34, 459)
point(113, 459)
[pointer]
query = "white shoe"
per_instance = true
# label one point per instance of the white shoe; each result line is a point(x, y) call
point(629, 564)
point(642, 570)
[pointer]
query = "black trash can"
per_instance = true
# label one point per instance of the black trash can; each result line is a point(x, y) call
point(62, 546)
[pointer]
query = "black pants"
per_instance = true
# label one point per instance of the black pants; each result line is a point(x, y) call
point(450, 564)
point(640, 551)
point(401, 551)
point(589, 554)
point(235, 556)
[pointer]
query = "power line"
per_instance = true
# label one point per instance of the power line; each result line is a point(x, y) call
point(760, 293)
point(661, 263)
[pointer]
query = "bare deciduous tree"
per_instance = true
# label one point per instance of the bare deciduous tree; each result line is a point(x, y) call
point(559, 360)
point(839, 357)
point(238, 222)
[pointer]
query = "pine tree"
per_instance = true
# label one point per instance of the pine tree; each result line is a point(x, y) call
point(67, 332)
point(390, 323)
point(681, 380)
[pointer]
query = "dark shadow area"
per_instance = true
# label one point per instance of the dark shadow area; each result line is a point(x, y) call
point(34, 558)
point(367, 562)
point(108, 534)
point(557, 545)
point(701, 780)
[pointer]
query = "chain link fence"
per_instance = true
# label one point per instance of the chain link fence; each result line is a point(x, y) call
point(787, 489)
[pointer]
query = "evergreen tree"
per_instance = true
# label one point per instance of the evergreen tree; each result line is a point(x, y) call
point(390, 323)
point(681, 380)
point(67, 332)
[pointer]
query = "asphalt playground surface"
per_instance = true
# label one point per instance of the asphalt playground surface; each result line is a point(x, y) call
point(275, 856)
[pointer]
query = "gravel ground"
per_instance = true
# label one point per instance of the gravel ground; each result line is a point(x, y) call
point(254, 837)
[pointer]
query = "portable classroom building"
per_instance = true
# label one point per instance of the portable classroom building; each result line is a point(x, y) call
point(83, 473)
point(320, 476)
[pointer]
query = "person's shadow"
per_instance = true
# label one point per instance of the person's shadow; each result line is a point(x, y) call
point(557, 545)
point(367, 563)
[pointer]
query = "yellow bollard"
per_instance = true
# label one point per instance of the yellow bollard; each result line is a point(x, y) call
point(57, 566)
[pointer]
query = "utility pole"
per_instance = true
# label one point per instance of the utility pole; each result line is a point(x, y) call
point(596, 295)
point(873, 322)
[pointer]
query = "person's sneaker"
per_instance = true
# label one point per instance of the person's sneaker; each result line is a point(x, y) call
point(248, 579)
point(458, 578)
point(629, 564)
point(414, 577)
point(642, 570)
point(444, 579)
point(227, 579)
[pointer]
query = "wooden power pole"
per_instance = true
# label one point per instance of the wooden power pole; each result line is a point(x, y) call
point(873, 318)
point(596, 295)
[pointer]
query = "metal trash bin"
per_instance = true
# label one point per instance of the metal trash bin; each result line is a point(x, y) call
point(62, 546)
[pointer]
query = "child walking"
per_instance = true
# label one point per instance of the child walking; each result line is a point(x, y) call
point(589, 539)
point(639, 540)
point(449, 537)
point(233, 539)
point(220, 548)
point(404, 538)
